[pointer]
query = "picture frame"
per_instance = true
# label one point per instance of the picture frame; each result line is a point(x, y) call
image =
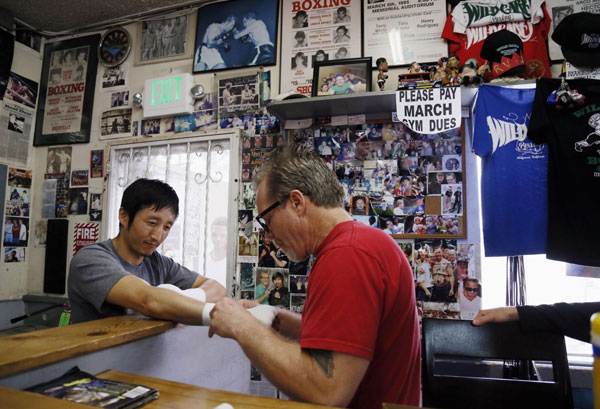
point(115, 123)
point(338, 77)
point(404, 37)
point(224, 37)
point(97, 164)
point(238, 93)
point(160, 44)
point(65, 103)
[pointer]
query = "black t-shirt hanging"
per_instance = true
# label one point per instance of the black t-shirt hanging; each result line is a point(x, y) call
point(573, 137)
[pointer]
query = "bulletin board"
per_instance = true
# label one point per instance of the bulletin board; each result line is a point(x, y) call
point(408, 184)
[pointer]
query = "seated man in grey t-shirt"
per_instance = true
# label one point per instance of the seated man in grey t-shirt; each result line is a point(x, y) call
point(107, 278)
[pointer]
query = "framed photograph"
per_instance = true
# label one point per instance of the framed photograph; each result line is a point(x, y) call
point(115, 123)
point(338, 77)
point(66, 97)
point(97, 164)
point(238, 94)
point(165, 39)
point(404, 37)
point(236, 34)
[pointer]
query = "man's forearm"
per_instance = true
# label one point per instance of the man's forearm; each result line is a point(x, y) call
point(290, 324)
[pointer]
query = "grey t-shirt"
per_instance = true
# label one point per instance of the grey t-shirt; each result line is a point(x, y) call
point(96, 268)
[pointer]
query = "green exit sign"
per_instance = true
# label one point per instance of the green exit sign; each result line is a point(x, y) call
point(168, 96)
point(165, 91)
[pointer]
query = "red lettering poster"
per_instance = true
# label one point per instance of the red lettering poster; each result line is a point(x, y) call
point(67, 92)
point(84, 234)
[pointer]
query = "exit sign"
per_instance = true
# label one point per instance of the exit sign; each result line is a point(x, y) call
point(168, 96)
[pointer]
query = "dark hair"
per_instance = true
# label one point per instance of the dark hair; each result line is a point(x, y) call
point(301, 13)
point(380, 60)
point(278, 275)
point(343, 28)
point(476, 281)
point(151, 193)
point(300, 34)
point(342, 9)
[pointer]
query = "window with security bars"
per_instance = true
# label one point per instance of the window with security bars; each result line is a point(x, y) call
point(203, 171)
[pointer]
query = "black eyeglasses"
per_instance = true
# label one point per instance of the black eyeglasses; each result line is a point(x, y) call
point(471, 289)
point(261, 217)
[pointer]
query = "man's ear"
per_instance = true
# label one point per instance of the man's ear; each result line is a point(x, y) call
point(298, 201)
point(123, 218)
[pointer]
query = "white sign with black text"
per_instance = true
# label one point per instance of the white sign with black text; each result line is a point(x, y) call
point(429, 110)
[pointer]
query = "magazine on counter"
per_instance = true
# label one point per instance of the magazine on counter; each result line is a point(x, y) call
point(81, 387)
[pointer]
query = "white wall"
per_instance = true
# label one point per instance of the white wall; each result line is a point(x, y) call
point(14, 276)
point(20, 278)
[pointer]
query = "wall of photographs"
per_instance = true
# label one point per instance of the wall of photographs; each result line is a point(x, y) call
point(405, 183)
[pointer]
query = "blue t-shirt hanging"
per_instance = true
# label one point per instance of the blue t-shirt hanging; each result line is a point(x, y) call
point(514, 173)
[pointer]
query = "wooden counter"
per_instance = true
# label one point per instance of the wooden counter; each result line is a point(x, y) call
point(33, 349)
point(133, 343)
point(173, 395)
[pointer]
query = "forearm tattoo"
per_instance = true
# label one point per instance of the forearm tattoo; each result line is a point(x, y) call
point(325, 360)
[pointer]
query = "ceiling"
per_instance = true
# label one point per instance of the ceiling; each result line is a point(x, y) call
point(55, 17)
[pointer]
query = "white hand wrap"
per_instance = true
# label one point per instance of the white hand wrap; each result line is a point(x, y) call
point(264, 313)
point(206, 313)
point(197, 294)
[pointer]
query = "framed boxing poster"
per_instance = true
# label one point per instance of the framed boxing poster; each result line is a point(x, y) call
point(66, 96)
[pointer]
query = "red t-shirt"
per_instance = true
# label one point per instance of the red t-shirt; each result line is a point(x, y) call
point(534, 37)
point(361, 301)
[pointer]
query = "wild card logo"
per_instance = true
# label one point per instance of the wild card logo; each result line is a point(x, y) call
point(591, 40)
point(508, 130)
point(593, 138)
point(530, 148)
point(524, 29)
point(476, 12)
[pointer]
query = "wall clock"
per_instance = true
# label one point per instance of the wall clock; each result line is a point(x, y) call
point(114, 47)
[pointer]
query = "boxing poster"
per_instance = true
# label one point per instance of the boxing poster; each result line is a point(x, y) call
point(64, 112)
point(321, 31)
point(404, 31)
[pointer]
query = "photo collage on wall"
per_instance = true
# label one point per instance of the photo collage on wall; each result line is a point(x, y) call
point(447, 277)
point(58, 168)
point(401, 182)
point(16, 219)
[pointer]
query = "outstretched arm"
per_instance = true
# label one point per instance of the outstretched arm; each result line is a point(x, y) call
point(316, 376)
point(570, 319)
point(504, 314)
point(160, 303)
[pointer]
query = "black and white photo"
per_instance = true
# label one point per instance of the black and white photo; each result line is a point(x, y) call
point(165, 39)
point(113, 78)
point(238, 94)
point(115, 123)
point(236, 34)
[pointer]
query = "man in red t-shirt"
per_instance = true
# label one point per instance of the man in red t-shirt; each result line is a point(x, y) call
point(357, 343)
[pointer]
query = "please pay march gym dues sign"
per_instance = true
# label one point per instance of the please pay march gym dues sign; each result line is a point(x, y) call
point(429, 110)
